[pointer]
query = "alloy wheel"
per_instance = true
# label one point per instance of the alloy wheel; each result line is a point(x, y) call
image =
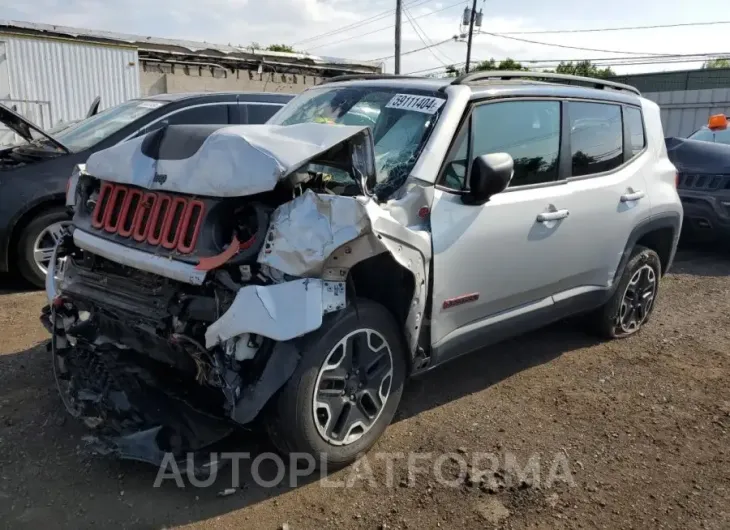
point(45, 243)
point(352, 387)
point(638, 299)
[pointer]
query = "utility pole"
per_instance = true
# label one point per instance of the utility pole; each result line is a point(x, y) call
point(471, 34)
point(398, 9)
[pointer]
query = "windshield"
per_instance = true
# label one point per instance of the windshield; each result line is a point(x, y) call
point(708, 135)
point(400, 121)
point(86, 133)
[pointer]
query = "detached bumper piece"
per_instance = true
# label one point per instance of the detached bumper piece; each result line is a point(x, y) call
point(135, 409)
point(129, 360)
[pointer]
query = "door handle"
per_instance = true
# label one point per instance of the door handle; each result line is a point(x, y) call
point(556, 215)
point(632, 195)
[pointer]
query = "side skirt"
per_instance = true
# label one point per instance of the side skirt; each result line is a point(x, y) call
point(515, 322)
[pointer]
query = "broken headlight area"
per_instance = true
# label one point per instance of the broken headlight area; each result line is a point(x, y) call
point(131, 363)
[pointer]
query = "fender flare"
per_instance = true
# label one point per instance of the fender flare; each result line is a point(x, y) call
point(671, 220)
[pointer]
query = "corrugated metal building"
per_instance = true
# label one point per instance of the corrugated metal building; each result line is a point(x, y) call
point(50, 80)
point(53, 73)
point(685, 111)
point(687, 98)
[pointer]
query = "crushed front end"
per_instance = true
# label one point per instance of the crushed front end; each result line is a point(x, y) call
point(128, 344)
point(169, 330)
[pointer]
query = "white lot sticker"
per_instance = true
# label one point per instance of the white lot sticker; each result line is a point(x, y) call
point(425, 104)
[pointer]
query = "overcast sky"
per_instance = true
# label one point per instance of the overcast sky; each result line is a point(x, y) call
point(292, 21)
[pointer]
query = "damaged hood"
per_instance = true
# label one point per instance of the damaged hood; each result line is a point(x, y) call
point(219, 161)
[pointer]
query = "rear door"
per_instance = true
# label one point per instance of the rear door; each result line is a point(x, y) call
point(607, 187)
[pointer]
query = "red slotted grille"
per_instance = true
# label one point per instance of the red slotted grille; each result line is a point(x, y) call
point(157, 218)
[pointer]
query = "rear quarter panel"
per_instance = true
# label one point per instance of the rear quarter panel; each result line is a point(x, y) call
point(661, 174)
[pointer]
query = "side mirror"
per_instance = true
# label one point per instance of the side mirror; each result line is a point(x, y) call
point(490, 174)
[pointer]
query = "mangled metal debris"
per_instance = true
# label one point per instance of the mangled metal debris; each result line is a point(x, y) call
point(281, 311)
point(306, 231)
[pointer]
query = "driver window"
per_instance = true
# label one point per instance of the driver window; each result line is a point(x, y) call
point(527, 130)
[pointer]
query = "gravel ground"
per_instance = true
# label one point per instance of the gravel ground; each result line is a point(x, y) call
point(634, 432)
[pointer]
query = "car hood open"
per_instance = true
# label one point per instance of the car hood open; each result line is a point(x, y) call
point(24, 127)
point(220, 161)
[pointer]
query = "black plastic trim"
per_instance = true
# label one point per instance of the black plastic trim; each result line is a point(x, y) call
point(671, 220)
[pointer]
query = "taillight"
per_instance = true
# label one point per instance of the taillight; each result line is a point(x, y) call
point(676, 180)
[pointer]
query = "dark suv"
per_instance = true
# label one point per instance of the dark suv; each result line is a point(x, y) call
point(703, 166)
point(34, 173)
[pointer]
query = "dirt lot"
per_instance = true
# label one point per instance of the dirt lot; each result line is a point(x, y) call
point(641, 426)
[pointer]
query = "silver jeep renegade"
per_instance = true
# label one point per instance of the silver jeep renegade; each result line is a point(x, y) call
point(296, 273)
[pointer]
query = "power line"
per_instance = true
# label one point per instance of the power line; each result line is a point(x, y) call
point(359, 23)
point(460, 2)
point(426, 70)
point(427, 47)
point(568, 47)
point(595, 59)
point(678, 60)
point(618, 61)
point(624, 28)
point(425, 39)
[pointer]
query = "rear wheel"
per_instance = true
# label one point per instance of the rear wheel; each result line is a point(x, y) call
point(633, 301)
point(345, 390)
point(36, 244)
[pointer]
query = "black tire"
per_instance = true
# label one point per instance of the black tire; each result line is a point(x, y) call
point(290, 421)
point(26, 263)
point(605, 321)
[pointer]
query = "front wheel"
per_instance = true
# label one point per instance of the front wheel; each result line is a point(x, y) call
point(633, 301)
point(345, 390)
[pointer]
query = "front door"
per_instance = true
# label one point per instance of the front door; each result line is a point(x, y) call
point(508, 255)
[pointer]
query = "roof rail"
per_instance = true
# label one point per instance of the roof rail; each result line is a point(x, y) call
point(354, 77)
point(560, 78)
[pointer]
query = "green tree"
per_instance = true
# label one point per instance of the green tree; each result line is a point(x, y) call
point(452, 71)
point(280, 48)
point(720, 62)
point(507, 64)
point(584, 68)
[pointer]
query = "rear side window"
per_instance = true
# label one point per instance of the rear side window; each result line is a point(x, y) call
point(204, 115)
point(708, 135)
point(527, 130)
point(258, 114)
point(635, 123)
point(596, 137)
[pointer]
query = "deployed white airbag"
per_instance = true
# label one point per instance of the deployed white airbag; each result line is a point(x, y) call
point(281, 312)
point(304, 232)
